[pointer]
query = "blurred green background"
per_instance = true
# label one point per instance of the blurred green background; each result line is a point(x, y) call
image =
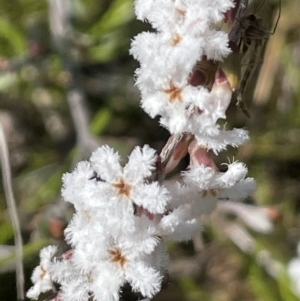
point(46, 59)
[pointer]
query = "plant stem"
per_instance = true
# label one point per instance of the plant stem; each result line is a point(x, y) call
point(12, 208)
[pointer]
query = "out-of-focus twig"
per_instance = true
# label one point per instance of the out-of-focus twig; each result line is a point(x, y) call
point(59, 14)
point(11, 204)
point(87, 142)
point(94, 14)
point(61, 30)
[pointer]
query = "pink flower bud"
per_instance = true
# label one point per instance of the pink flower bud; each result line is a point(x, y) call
point(179, 152)
point(221, 91)
point(199, 155)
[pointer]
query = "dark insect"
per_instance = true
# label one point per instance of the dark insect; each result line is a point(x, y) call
point(250, 39)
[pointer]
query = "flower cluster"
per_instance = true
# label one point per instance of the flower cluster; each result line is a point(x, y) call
point(186, 37)
point(113, 229)
point(125, 214)
point(122, 219)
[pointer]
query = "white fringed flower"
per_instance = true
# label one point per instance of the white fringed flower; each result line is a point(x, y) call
point(109, 192)
point(128, 185)
point(102, 276)
point(40, 276)
point(203, 188)
point(207, 178)
point(219, 142)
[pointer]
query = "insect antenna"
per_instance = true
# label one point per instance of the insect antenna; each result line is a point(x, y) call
point(258, 7)
point(278, 17)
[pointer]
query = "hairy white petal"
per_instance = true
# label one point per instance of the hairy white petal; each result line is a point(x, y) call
point(41, 276)
point(105, 161)
point(144, 279)
point(141, 163)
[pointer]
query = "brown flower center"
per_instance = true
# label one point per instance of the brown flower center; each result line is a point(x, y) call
point(213, 192)
point(123, 188)
point(174, 93)
point(176, 39)
point(118, 257)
